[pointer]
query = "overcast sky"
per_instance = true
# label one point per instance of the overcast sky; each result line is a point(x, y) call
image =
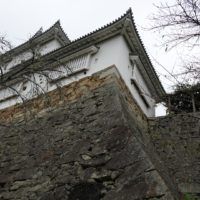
point(19, 19)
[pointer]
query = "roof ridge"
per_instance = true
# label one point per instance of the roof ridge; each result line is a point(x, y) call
point(120, 20)
point(39, 32)
point(58, 23)
point(142, 44)
point(126, 14)
point(34, 37)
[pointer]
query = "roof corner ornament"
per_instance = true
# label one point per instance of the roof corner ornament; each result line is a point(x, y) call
point(39, 32)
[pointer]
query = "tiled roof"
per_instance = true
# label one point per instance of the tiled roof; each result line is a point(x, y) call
point(39, 38)
point(106, 32)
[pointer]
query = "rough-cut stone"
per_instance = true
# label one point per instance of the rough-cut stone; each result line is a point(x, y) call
point(93, 145)
point(176, 139)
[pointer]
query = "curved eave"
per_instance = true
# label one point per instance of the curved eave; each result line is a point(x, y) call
point(119, 26)
point(61, 33)
point(54, 32)
point(138, 47)
point(99, 35)
point(116, 27)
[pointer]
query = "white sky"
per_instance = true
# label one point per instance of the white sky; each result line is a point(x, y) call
point(19, 19)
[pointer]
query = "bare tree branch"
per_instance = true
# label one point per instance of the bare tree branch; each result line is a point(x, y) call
point(179, 22)
point(27, 72)
point(5, 45)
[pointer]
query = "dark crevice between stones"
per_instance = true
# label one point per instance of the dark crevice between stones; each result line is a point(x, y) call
point(103, 178)
point(149, 170)
point(86, 191)
point(155, 197)
point(2, 184)
point(90, 149)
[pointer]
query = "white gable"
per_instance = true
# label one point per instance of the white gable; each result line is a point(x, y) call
point(114, 51)
point(116, 44)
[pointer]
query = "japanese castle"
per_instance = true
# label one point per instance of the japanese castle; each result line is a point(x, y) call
point(50, 59)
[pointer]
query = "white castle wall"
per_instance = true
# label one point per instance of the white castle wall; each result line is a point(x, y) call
point(44, 49)
point(111, 52)
point(116, 51)
point(50, 46)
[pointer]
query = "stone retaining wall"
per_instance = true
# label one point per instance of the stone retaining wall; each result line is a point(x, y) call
point(176, 139)
point(91, 141)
